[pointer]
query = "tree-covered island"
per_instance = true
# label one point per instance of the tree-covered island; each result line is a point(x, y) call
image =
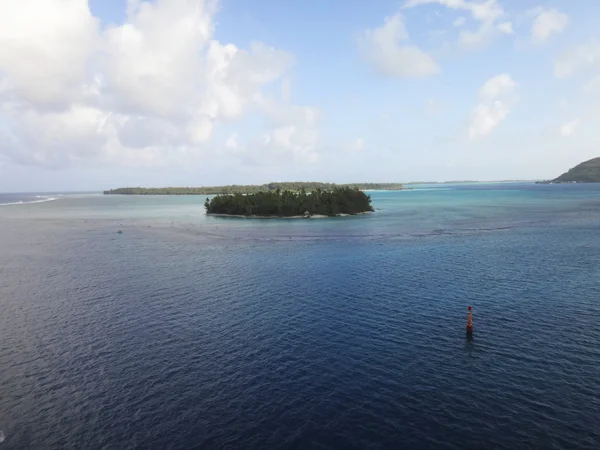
point(278, 203)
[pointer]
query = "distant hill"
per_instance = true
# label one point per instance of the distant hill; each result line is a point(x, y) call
point(586, 172)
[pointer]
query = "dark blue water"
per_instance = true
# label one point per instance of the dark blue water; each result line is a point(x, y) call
point(194, 332)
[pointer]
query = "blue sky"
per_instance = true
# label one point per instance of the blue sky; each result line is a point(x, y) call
point(110, 93)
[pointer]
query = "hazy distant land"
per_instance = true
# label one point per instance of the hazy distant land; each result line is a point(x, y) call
point(252, 189)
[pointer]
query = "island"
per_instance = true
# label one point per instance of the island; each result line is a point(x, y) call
point(253, 189)
point(586, 172)
point(339, 201)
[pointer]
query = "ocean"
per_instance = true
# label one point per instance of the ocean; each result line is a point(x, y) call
point(187, 331)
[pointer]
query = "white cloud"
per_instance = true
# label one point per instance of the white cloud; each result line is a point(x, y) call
point(50, 134)
point(497, 87)
point(569, 128)
point(231, 142)
point(548, 22)
point(459, 22)
point(382, 47)
point(148, 91)
point(292, 134)
point(489, 10)
point(44, 48)
point(357, 146)
point(296, 139)
point(506, 27)
point(496, 97)
point(286, 90)
point(489, 15)
point(578, 59)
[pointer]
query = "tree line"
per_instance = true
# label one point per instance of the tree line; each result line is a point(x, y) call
point(250, 189)
point(286, 203)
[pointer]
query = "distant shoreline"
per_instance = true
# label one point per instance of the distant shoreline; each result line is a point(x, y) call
point(252, 188)
point(293, 187)
point(470, 182)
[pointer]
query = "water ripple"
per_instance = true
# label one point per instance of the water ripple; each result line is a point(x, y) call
point(167, 337)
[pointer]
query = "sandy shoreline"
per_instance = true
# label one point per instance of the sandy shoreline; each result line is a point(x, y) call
point(315, 216)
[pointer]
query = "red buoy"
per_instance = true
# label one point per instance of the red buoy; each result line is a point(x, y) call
point(470, 322)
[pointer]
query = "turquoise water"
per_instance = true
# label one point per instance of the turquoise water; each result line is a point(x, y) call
point(188, 331)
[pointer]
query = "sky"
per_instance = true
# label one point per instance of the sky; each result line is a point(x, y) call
point(101, 94)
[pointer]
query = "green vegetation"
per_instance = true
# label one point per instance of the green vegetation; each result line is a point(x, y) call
point(251, 189)
point(339, 200)
point(586, 172)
